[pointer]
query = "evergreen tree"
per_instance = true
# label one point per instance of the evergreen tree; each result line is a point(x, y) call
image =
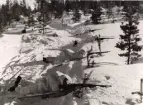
point(67, 5)
point(24, 9)
point(4, 13)
point(130, 38)
point(31, 20)
point(96, 15)
point(57, 8)
point(44, 17)
point(76, 15)
point(8, 13)
point(85, 7)
point(16, 10)
point(1, 22)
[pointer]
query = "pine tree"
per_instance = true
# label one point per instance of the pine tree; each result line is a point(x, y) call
point(76, 15)
point(44, 17)
point(8, 13)
point(67, 5)
point(130, 38)
point(4, 13)
point(15, 10)
point(59, 9)
point(31, 20)
point(96, 15)
point(85, 7)
point(1, 22)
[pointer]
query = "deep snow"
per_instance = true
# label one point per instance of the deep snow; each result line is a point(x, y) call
point(110, 68)
point(9, 48)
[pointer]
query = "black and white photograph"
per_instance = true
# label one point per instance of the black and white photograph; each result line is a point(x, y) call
point(71, 52)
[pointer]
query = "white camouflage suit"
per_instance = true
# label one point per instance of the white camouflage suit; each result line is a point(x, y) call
point(50, 82)
point(47, 84)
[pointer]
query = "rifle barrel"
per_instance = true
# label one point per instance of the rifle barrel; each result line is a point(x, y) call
point(87, 85)
point(98, 52)
point(102, 38)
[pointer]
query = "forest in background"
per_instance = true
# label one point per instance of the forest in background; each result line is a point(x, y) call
point(12, 11)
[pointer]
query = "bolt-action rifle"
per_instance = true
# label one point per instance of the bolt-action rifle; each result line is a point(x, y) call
point(64, 90)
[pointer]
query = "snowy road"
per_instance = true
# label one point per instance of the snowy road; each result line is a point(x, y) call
point(9, 47)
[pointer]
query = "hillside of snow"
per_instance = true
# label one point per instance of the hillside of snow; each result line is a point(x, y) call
point(24, 57)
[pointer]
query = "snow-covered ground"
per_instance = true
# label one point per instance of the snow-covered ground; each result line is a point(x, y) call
point(110, 69)
point(9, 48)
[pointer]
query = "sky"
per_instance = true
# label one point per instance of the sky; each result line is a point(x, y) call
point(29, 2)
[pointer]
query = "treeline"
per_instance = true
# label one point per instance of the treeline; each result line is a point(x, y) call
point(57, 7)
point(12, 11)
point(66, 5)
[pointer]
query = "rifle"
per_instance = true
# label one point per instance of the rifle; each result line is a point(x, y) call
point(139, 93)
point(73, 86)
point(78, 59)
point(90, 53)
point(69, 88)
point(92, 30)
point(102, 38)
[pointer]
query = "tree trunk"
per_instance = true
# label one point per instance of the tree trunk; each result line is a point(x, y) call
point(129, 50)
point(43, 25)
point(42, 7)
point(88, 60)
